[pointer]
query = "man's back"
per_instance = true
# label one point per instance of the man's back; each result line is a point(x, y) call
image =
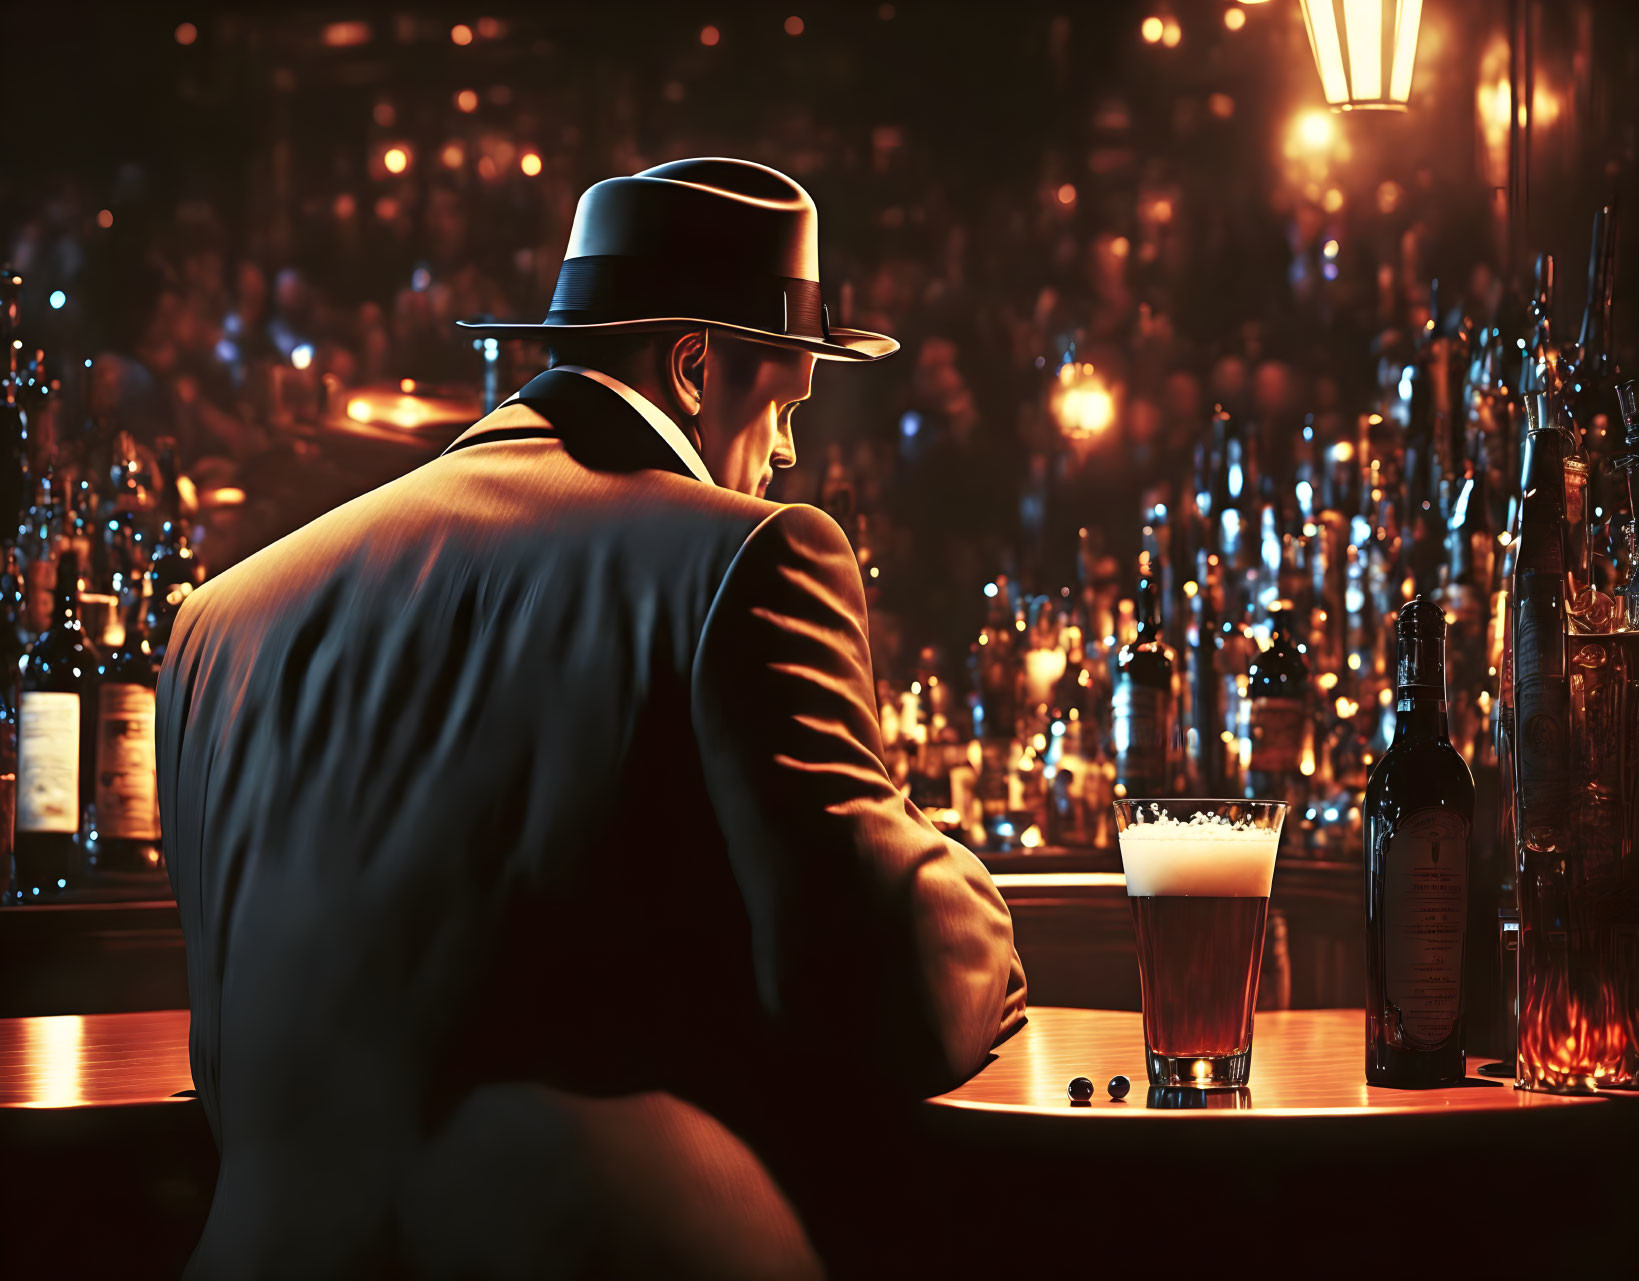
point(467, 828)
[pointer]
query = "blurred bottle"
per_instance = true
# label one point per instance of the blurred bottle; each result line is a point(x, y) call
point(126, 794)
point(1142, 705)
point(1277, 715)
point(56, 734)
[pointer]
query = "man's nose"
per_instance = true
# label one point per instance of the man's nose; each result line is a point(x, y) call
point(785, 447)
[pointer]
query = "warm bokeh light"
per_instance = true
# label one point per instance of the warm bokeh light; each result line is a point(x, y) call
point(1315, 130)
point(709, 36)
point(345, 35)
point(460, 33)
point(386, 209)
point(490, 28)
point(1234, 19)
point(384, 114)
point(302, 356)
point(186, 33)
point(467, 101)
point(1067, 194)
point(396, 159)
point(793, 26)
point(1151, 29)
point(105, 218)
point(1332, 201)
point(1171, 33)
point(407, 386)
point(1121, 246)
point(530, 163)
point(358, 409)
point(454, 155)
point(1221, 105)
point(344, 206)
point(1350, 57)
point(1082, 403)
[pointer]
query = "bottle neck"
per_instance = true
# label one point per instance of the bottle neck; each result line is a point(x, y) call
point(1149, 611)
point(67, 611)
point(1420, 691)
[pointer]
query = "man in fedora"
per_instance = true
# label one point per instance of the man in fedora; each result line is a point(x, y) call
point(547, 904)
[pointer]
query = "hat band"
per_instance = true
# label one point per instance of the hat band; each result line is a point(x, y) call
point(607, 288)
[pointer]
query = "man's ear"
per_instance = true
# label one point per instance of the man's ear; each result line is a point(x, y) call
point(686, 371)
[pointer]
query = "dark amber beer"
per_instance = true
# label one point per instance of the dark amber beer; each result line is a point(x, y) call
point(1198, 876)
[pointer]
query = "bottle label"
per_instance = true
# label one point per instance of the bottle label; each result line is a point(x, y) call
point(1140, 731)
point(1425, 906)
point(48, 762)
point(1278, 726)
point(127, 794)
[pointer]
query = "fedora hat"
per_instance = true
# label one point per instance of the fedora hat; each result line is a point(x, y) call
point(712, 242)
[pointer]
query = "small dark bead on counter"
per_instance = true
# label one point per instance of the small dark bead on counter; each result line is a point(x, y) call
point(1081, 1089)
point(1119, 1085)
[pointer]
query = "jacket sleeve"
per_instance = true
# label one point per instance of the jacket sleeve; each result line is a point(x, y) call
point(876, 939)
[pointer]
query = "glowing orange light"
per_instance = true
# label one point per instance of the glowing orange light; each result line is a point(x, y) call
point(1171, 33)
point(397, 159)
point(460, 33)
point(1221, 104)
point(1067, 194)
point(345, 206)
point(530, 163)
point(467, 100)
point(793, 26)
point(105, 219)
point(406, 385)
point(226, 496)
point(489, 28)
point(1151, 29)
point(1234, 19)
point(709, 36)
point(186, 33)
point(386, 209)
point(384, 114)
point(344, 35)
point(487, 168)
point(1161, 210)
point(1332, 201)
point(454, 155)
point(358, 409)
point(1315, 130)
point(54, 1047)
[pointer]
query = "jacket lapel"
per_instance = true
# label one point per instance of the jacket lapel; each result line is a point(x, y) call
point(603, 423)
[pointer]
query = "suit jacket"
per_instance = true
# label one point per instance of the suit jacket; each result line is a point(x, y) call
point(530, 832)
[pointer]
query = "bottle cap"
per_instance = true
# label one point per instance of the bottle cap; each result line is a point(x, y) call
point(1421, 617)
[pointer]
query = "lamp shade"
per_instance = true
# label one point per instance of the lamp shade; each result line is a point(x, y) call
point(1365, 50)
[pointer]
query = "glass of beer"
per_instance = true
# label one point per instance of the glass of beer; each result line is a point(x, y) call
point(1198, 876)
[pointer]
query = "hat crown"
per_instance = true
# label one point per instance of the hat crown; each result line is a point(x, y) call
point(699, 211)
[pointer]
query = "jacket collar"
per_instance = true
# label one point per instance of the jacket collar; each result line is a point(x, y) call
point(543, 405)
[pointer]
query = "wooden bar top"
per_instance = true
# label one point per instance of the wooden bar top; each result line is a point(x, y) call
point(94, 1060)
point(1304, 1063)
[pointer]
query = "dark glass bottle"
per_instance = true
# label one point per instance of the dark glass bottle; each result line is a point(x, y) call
point(1277, 703)
point(1142, 705)
point(1419, 810)
point(13, 423)
point(11, 653)
point(56, 732)
point(126, 793)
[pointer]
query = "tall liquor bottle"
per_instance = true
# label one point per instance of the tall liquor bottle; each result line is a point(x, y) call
point(1142, 705)
point(1419, 810)
point(1542, 695)
point(55, 731)
point(126, 794)
point(11, 652)
point(1277, 715)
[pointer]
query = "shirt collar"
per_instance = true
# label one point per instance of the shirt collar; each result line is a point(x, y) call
point(663, 426)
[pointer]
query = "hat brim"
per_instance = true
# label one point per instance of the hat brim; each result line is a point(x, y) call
point(844, 344)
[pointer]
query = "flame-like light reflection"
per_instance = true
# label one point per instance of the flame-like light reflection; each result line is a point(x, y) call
point(56, 1044)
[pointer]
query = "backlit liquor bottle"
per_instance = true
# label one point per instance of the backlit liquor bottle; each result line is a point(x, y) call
point(56, 726)
point(1142, 705)
point(1277, 716)
point(126, 792)
point(11, 652)
point(1418, 813)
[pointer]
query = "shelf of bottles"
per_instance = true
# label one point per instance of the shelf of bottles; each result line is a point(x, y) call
point(1256, 658)
point(96, 555)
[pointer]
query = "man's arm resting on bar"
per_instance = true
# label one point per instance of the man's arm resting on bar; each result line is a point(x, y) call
point(872, 932)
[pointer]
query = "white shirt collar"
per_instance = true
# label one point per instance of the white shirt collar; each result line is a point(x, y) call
point(667, 430)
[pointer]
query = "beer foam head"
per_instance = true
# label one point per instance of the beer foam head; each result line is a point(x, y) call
point(1206, 857)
